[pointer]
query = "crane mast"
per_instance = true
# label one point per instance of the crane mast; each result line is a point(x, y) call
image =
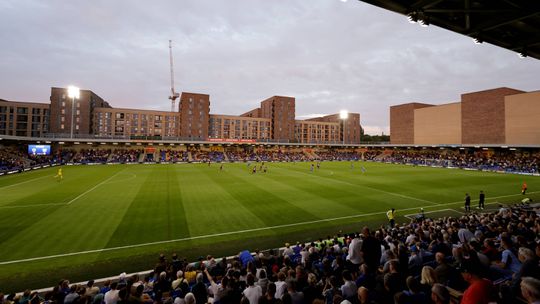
point(174, 95)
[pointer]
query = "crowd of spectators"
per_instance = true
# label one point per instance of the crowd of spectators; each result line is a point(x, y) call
point(239, 156)
point(335, 155)
point(500, 161)
point(205, 156)
point(85, 156)
point(476, 258)
point(124, 156)
point(174, 156)
point(10, 160)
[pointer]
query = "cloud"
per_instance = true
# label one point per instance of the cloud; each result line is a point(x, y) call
point(330, 55)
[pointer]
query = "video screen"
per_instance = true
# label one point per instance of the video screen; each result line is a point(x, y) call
point(39, 149)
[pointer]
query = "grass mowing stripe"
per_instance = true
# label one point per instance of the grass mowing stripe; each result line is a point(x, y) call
point(177, 212)
point(27, 181)
point(334, 201)
point(97, 185)
point(219, 209)
point(335, 178)
point(12, 225)
point(219, 234)
point(268, 207)
point(34, 205)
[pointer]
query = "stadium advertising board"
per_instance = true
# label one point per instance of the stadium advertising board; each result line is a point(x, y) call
point(232, 140)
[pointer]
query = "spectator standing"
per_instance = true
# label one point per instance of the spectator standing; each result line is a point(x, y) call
point(371, 250)
point(253, 292)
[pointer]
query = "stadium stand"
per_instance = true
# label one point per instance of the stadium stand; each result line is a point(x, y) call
point(13, 158)
point(490, 257)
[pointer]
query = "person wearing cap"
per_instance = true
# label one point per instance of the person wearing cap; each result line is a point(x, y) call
point(480, 290)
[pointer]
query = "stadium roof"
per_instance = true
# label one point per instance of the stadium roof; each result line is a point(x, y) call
point(510, 24)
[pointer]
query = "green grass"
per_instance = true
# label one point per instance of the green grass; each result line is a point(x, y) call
point(103, 220)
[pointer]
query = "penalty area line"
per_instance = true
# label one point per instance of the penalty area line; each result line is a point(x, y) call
point(410, 216)
point(233, 232)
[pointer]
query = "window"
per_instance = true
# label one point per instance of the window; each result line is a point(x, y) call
point(62, 126)
point(63, 104)
point(78, 112)
point(62, 119)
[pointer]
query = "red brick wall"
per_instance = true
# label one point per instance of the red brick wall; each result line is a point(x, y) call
point(87, 102)
point(255, 113)
point(281, 110)
point(483, 118)
point(194, 115)
point(352, 126)
point(402, 122)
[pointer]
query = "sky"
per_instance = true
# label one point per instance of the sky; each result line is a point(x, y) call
point(328, 54)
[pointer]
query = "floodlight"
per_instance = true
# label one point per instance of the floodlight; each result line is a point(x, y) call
point(343, 114)
point(74, 92)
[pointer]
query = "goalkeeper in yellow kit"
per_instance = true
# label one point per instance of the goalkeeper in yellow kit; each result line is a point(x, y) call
point(59, 176)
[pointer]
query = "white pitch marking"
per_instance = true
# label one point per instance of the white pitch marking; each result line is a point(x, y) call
point(226, 233)
point(26, 206)
point(375, 189)
point(409, 216)
point(132, 176)
point(91, 189)
point(26, 181)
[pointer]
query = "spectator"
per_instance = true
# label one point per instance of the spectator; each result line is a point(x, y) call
point(479, 290)
point(253, 292)
point(530, 289)
point(199, 289)
point(440, 294)
point(348, 289)
point(371, 249)
point(269, 297)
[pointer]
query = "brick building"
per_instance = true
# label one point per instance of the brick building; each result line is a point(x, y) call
point(24, 118)
point(135, 123)
point(194, 111)
point(82, 110)
point(499, 116)
point(273, 121)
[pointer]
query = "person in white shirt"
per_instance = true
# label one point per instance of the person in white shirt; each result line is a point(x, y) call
point(253, 292)
point(111, 296)
point(355, 247)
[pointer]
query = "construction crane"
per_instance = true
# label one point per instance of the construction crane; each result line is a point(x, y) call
point(174, 95)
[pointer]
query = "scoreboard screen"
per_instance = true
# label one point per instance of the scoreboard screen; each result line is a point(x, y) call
point(39, 149)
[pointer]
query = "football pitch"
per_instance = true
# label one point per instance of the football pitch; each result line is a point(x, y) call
point(105, 219)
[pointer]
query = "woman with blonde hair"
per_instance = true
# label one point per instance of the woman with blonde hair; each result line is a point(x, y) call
point(428, 278)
